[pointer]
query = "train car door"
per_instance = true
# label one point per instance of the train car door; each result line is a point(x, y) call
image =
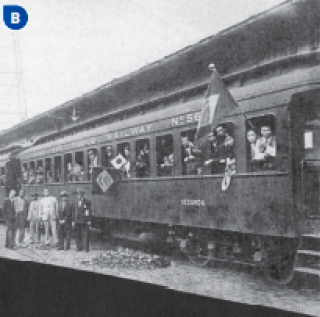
point(306, 151)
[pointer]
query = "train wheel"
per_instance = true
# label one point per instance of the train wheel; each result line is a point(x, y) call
point(279, 266)
point(197, 254)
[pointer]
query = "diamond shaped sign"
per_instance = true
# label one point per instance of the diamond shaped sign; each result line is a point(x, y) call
point(104, 180)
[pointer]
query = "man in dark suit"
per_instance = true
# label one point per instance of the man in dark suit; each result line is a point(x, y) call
point(81, 220)
point(65, 211)
point(10, 217)
point(21, 208)
point(13, 173)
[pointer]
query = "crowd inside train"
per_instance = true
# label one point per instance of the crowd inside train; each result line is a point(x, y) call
point(216, 157)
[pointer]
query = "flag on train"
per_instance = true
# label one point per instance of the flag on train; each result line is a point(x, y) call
point(102, 180)
point(218, 103)
point(118, 161)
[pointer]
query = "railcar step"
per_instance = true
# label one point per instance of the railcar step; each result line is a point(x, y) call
point(312, 235)
point(309, 252)
point(305, 277)
point(308, 270)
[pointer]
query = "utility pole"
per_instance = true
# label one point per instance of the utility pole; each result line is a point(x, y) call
point(20, 83)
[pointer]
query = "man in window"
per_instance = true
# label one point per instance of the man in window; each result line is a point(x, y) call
point(93, 160)
point(221, 150)
point(266, 148)
point(189, 163)
point(142, 164)
point(109, 156)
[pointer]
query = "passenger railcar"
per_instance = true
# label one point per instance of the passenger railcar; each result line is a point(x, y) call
point(262, 215)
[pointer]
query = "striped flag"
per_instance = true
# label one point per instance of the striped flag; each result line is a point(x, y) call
point(218, 103)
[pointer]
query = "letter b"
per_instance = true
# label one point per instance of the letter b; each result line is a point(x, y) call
point(15, 17)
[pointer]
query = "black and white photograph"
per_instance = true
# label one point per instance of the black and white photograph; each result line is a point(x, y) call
point(172, 144)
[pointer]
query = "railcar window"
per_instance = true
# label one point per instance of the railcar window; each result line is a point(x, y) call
point(68, 168)
point(143, 158)
point(107, 156)
point(39, 172)
point(48, 170)
point(124, 150)
point(189, 161)
point(3, 176)
point(92, 161)
point(32, 174)
point(261, 143)
point(219, 154)
point(79, 167)
point(165, 155)
point(57, 169)
point(25, 173)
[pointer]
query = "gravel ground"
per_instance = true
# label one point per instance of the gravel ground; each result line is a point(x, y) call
point(217, 283)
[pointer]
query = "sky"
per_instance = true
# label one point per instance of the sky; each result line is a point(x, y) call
point(71, 47)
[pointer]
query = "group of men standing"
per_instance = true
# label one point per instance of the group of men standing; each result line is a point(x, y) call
point(57, 218)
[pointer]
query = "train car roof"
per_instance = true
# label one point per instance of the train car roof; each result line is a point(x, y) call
point(285, 30)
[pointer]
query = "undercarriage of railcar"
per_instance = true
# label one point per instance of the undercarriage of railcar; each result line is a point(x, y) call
point(275, 256)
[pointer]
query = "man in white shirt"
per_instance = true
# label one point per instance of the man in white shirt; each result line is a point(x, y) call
point(34, 219)
point(50, 216)
point(21, 209)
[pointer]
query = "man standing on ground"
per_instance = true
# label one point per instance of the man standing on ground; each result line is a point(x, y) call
point(49, 215)
point(66, 210)
point(34, 219)
point(21, 207)
point(81, 220)
point(10, 217)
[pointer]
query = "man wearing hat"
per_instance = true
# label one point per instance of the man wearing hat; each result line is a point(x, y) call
point(10, 217)
point(81, 220)
point(34, 219)
point(21, 207)
point(65, 210)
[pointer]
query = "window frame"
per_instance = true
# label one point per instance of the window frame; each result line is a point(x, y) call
point(135, 141)
point(247, 147)
point(45, 169)
point(84, 163)
point(65, 167)
point(55, 169)
point(162, 135)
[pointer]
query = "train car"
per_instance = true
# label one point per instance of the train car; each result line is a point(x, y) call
point(263, 214)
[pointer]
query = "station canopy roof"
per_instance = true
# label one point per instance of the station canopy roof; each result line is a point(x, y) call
point(278, 32)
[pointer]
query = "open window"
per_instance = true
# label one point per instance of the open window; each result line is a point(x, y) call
point(189, 162)
point(218, 154)
point(39, 172)
point(143, 158)
point(107, 156)
point(57, 169)
point(79, 167)
point(68, 168)
point(165, 155)
point(261, 143)
point(25, 173)
point(124, 150)
point(92, 161)
point(2, 176)
point(32, 173)
point(48, 170)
